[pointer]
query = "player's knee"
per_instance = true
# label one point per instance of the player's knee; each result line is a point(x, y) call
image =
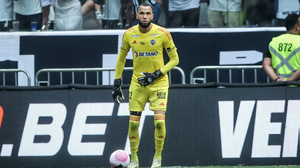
point(159, 124)
point(133, 125)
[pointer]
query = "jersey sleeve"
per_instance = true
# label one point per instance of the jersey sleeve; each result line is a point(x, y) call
point(122, 56)
point(267, 53)
point(171, 51)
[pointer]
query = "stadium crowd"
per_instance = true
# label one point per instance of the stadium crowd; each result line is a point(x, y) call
point(44, 15)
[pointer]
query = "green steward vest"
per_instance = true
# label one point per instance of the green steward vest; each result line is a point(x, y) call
point(285, 52)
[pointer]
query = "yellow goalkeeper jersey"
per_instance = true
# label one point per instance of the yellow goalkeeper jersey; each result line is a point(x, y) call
point(147, 53)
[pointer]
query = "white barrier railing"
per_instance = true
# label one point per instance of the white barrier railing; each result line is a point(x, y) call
point(85, 70)
point(15, 71)
point(218, 68)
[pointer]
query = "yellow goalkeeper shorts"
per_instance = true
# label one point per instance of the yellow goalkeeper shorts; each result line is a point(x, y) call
point(139, 95)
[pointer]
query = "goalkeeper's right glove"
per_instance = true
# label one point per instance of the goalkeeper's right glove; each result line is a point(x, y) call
point(117, 93)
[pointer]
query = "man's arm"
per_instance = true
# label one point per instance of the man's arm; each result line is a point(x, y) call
point(120, 65)
point(174, 60)
point(117, 93)
point(171, 51)
point(122, 57)
point(296, 76)
point(267, 65)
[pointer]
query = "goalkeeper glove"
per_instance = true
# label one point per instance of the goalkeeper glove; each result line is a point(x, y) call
point(117, 93)
point(149, 78)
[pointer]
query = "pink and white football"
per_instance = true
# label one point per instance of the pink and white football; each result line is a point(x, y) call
point(119, 158)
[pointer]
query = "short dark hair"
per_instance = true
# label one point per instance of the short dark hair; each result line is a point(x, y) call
point(290, 21)
point(145, 4)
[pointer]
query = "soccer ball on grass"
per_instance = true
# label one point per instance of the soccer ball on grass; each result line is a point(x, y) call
point(119, 158)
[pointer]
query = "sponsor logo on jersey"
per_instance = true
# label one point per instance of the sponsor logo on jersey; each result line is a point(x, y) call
point(162, 104)
point(135, 35)
point(142, 43)
point(145, 54)
point(153, 34)
point(161, 95)
point(134, 42)
point(152, 42)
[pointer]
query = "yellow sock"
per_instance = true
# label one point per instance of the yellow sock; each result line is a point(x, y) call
point(134, 157)
point(134, 138)
point(157, 154)
point(159, 134)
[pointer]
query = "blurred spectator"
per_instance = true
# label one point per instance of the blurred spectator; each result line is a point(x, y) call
point(5, 15)
point(28, 11)
point(110, 17)
point(68, 15)
point(90, 10)
point(203, 19)
point(98, 12)
point(282, 63)
point(125, 14)
point(283, 8)
point(261, 13)
point(246, 4)
point(222, 13)
point(156, 9)
point(46, 11)
point(98, 9)
point(164, 16)
point(184, 13)
point(86, 5)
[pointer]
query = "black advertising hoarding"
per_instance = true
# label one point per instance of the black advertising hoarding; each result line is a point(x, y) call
point(81, 127)
point(99, 48)
point(194, 49)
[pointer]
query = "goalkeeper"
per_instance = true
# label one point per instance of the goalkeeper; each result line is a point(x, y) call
point(149, 80)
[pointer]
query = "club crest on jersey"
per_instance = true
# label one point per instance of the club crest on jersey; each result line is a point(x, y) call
point(152, 42)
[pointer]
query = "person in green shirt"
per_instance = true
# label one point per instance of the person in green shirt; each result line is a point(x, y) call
point(282, 59)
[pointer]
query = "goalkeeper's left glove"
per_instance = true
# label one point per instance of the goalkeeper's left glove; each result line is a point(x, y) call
point(149, 78)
